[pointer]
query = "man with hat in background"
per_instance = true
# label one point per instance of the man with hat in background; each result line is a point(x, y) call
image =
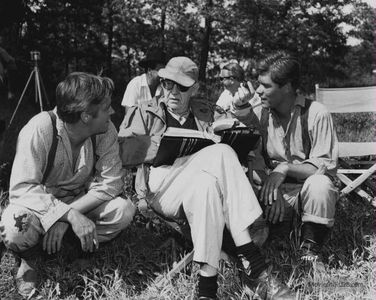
point(144, 87)
point(209, 188)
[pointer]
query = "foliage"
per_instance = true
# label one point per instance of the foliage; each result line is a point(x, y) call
point(113, 35)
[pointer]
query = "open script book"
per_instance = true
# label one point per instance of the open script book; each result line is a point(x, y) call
point(179, 142)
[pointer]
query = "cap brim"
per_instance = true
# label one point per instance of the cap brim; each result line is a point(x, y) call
point(179, 78)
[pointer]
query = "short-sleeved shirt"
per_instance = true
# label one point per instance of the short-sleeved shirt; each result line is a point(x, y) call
point(138, 92)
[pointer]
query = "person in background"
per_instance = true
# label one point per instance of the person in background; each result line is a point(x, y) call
point(7, 70)
point(297, 160)
point(143, 88)
point(233, 78)
point(74, 193)
point(209, 188)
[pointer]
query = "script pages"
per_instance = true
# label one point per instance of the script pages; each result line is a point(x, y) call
point(179, 142)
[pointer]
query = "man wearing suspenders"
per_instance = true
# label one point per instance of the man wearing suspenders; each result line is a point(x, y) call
point(299, 151)
point(66, 176)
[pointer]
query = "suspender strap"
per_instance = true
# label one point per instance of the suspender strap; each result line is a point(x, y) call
point(94, 144)
point(52, 152)
point(264, 122)
point(304, 123)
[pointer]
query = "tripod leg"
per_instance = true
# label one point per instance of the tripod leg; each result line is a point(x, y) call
point(22, 95)
point(37, 89)
point(43, 88)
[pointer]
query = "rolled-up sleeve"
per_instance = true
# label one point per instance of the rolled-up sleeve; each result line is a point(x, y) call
point(26, 188)
point(324, 149)
point(108, 179)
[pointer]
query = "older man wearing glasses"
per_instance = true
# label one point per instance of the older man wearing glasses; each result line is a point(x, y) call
point(208, 188)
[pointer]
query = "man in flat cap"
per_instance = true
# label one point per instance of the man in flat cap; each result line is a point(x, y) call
point(209, 188)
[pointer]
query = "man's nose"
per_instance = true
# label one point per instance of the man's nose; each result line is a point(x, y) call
point(175, 89)
point(111, 110)
point(259, 90)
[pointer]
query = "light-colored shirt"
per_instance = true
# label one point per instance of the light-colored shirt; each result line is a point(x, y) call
point(288, 146)
point(138, 92)
point(66, 182)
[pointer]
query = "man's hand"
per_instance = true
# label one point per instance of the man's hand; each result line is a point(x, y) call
point(276, 211)
point(54, 236)
point(244, 94)
point(85, 230)
point(270, 189)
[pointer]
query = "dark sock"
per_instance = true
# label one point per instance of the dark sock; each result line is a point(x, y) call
point(252, 259)
point(315, 233)
point(207, 286)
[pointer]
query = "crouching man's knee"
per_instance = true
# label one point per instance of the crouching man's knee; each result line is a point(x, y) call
point(117, 214)
point(125, 211)
point(20, 228)
point(321, 188)
point(319, 197)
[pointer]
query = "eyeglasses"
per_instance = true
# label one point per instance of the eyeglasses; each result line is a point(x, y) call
point(169, 85)
point(228, 77)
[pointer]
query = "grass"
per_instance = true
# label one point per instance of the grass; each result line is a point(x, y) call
point(130, 266)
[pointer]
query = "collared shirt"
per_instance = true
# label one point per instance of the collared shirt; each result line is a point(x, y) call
point(287, 146)
point(66, 182)
point(138, 92)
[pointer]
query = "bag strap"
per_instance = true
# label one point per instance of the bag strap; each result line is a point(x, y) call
point(52, 152)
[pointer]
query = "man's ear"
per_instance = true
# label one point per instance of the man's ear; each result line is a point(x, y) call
point(287, 88)
point(85, 117)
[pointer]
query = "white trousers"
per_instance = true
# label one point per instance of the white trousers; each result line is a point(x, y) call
point(213, 190)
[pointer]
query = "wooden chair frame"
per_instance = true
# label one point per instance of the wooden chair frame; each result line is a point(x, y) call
point(352, 100)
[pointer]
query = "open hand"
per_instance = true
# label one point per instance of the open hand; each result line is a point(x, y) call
point(53, 238)
point(85, 230)
point(274, 213)
point(270, 189)
point(244, 94)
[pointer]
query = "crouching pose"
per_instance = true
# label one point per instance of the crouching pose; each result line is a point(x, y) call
point(209, 187)
point(299, 150)
point(67, 175)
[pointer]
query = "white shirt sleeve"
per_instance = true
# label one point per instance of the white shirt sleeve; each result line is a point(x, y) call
point(132, 93)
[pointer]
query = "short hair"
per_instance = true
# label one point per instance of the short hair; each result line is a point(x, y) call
point(283, 68)
point(236, 70)
point(81, 92)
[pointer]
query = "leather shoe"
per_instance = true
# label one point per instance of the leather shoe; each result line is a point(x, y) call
point(206, 298)
point(268, 287)
point(27, 278)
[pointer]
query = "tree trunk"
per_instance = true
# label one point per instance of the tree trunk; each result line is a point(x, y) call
point(110, 36)
point(163, 23)
point(205, 42)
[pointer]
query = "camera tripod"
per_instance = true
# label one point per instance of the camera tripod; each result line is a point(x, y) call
point(39, 88)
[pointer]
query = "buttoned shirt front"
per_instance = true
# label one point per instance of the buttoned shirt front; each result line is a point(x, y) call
point(138, 92)
point(66, 182)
